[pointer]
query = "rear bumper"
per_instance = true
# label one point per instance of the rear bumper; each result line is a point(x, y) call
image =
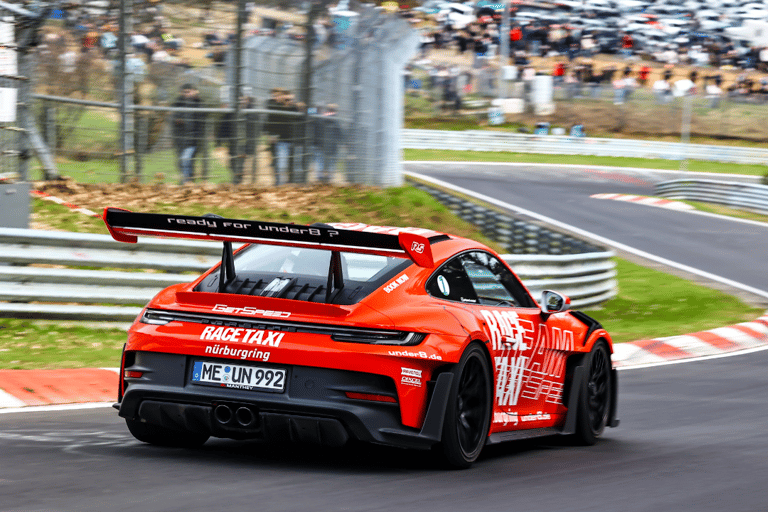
point(313, 408)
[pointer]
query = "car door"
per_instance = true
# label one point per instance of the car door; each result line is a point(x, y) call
point(527, 355)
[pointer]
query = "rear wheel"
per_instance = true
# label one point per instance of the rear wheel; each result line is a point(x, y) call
point(468, 416)
point(594, 396)
point(161, 436)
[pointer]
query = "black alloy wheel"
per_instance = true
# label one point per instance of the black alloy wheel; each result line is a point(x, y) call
point(595, 396)
point(468, 417)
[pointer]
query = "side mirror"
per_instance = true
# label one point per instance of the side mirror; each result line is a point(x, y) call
point(553, 302)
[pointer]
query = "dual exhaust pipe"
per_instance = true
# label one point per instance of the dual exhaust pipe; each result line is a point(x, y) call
point(235, 415)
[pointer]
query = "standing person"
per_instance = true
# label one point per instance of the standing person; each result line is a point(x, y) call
point(240, 151)
point(280, 126)
point(325, 143)
point(188, 130)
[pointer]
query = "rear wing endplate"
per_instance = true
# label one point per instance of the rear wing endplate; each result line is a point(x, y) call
point(126, 226)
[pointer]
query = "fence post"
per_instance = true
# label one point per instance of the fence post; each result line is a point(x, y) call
point(237, 153)
point(208, 130)
point(142, 140)
point(685, 130)
point(125, 79)
point(307, 89)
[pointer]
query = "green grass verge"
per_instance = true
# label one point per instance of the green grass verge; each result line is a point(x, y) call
point(29, 344)
point(729, 212)
point(502, 156)
point(652, 304)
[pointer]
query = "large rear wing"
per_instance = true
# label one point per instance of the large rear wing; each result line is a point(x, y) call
point(125, 226)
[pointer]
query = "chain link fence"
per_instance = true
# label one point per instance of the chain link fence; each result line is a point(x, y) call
point(445, 86)
point(172, 92)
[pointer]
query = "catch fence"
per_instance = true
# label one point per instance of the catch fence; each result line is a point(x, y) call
point(601, 110)
point(108, 101)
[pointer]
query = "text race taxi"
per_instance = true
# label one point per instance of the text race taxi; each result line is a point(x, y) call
point(325, 333)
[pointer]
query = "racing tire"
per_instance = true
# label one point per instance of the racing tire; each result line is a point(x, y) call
point(594, 396)
point(468, 416)
point(161, 436)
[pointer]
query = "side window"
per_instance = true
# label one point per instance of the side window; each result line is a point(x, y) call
point(494, 284)
point(452, 283)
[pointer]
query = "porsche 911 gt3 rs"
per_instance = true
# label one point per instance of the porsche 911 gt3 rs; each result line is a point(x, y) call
point(324, 333)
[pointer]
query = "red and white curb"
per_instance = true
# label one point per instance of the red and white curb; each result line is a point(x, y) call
point(45, 388)
point(48, 390)
point(646, 200)
point(715, 342)
point(48, 197)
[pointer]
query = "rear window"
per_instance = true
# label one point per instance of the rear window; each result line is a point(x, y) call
point(302, 274)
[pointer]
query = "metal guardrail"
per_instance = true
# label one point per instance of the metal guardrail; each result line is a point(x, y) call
point(479, 140)
point(53, 289)
point(744, 196)
point(588, 279)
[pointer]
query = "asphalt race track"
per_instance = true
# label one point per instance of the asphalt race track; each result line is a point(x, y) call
point(692, 435)
point(692, 438)
point(723, 247)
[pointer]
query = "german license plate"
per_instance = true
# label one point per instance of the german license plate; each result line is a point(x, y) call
point(238, 377)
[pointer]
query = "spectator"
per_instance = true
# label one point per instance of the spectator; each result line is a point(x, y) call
point(763, 66)
point(643, 75)
point(326, 140)
point(558, 72)
point(515, 37)
point(242, 148)
point(662, 90)
point(280, 125)
point(627, 45)
point(588, 45)
point(188, 130)
point(714, 92)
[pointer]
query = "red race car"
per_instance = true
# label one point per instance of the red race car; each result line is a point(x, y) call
point(322, 333)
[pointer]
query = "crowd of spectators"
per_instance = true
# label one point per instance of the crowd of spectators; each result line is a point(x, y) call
point(573, 53)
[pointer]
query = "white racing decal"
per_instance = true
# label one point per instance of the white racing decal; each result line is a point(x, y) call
point(418, 355)
point(223, 308)
point(517, 373)
point(387, 230)
point(535, 417)
point(297, 231)
point(506, 331)
point(397, 282)
point(410, 376)
point(410, 372)
point(199, 222)
point(242, 335)
point(242, 353)
point(410, 381)
point(506, 418)
point(442, 284)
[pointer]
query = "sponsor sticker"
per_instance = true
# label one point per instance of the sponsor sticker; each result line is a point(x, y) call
point(223, 308)
point(242, 335)
point(417, 355)
point(410, 372)
point(410, 381)
point(394, 284)
point(442, 284)
point(535, 417)
point(242, 353)
point(506, 418)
